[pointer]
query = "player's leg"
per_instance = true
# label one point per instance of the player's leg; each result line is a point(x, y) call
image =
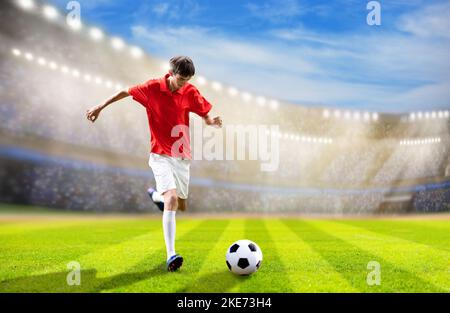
point(177, 199)
point(169, 221)
point(165, 184)
point(182, 204)
point(174, 261)
point(170, 200)
point(162, 173)
point(156, 197)
point(181, 170)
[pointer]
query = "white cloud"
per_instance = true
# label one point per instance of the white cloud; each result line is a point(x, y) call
point(275, 10)
point(388, 71)
point(161, 8)
point(428, 96)
point(433, 21)
point(206, 43)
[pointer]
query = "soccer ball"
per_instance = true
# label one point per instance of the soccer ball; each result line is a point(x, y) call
point(244, 257)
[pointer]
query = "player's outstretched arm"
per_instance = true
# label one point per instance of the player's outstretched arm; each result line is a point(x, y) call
point(216, 121)
point(93, 113)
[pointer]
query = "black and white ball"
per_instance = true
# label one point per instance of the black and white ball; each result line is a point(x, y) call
point(244, 257)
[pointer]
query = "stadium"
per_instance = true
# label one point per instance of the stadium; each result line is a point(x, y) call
point(372, 184)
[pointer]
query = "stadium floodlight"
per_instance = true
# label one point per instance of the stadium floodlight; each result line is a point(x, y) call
point(419, 115)
point(440, 114)
point(412, 117)
point(261, 101)
point(439, 139)
point(433, 115)
point(165, 67)
point(118, 87)
point(375, 117)
point(117, 43)
point(64, 69)
point(74, 24)
point(29, 56)
point(42, 61)
point(109, 84)
point(50, 12)
point(25, 4)
point(136, 52)
point(427, 115)
point(274, 104)
point(356, 116)
point(96, 34)
point(216, 86)
point(366, 116)
point(16, 52)
point(297, 138)
point(76, 73)
point(446, 114)
point(337, 113)
point(347, 115)
point(232, 91)
point(326, 113)
point(87, 77)
point(98, 80)
point(201, 80)
point(53, 65)
point(246, 96)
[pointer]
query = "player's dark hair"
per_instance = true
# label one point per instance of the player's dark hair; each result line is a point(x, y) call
point(182, 65)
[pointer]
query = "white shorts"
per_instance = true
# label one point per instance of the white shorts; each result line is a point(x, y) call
point(170, 173)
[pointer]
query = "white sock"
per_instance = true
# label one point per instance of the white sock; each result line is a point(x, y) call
point(169, 227)
point(157, 197)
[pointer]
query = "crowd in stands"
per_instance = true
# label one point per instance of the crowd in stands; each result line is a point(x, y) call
point(50, 103)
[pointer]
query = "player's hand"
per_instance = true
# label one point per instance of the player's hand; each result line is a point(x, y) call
point(93, 113)
point(216, 122)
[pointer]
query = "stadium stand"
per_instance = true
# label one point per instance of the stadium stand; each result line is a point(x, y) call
point(330, 161)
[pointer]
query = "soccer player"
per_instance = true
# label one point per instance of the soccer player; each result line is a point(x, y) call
point(168, 101)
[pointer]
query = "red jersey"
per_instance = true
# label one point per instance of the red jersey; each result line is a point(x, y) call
point(168, 113)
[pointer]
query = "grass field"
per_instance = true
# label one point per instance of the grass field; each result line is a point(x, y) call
point(127, 254)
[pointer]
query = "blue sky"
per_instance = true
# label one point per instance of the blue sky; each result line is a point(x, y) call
point(317, 53)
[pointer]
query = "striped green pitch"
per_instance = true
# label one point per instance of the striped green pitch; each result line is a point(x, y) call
point(127, 254)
